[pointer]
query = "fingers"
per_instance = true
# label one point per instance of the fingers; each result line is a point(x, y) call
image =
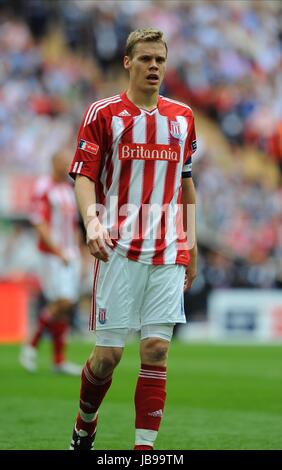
point(98, 239)
point(188, 280)
point(108, 240)
point(187, 283)
point(98, 248)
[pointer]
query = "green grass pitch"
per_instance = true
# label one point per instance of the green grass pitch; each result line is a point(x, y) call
point(219, 397)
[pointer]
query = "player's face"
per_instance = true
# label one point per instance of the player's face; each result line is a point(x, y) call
point(147, 66)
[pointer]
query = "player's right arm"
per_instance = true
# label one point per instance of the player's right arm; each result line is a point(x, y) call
point(85, 169)
point(97, 236)
point(44, 235)
point(40, 219)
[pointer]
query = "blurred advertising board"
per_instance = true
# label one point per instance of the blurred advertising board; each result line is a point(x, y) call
point(15, 195)
point(14, 311)
point(245, 314)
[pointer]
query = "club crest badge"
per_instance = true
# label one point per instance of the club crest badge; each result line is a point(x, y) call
point(175, 129)
point(102, 316)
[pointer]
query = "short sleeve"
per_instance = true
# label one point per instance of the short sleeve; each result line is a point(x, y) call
point(191, 142)
point(190, 147)
point(89, 146)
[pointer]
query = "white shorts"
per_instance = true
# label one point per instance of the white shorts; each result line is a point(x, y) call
point(129, 294)
point(59, 281)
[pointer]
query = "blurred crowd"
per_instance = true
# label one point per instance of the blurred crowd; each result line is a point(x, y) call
point(225, 60)
point(230, 61)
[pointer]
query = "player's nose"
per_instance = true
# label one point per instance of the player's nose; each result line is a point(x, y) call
point(153, 65)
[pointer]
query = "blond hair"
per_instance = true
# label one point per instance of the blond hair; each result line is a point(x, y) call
point(143, 35)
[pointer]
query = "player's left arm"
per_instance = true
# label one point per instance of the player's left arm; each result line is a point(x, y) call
point(188, 201)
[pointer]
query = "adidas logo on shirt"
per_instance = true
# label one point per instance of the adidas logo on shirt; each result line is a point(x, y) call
point(157, 413)
point(124, 113)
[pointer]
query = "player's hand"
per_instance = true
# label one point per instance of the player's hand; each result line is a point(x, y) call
point(191, 270)
point(98, 239)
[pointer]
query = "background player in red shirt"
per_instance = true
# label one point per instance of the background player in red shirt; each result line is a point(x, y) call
point(133, 157)
point(54, 216)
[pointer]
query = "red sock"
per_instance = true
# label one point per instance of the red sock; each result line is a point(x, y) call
point(89, 427)
point(150, 398)
point(44, 320)
point(92, 392)
point(58, 330)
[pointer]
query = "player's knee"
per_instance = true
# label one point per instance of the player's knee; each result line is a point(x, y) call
point(105, 365)
point(154, 351)
point(103, 362)
point(158, 354)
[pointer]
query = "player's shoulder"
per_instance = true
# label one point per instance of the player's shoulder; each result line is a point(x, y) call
point(100, 107)
point(176, 105)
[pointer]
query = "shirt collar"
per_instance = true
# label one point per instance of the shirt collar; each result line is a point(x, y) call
point(135, 108)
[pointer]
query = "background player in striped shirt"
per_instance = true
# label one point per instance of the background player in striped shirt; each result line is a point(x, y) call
point(133, 166)
point(54, 217)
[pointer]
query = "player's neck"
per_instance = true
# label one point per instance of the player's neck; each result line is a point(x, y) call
point(143, 100)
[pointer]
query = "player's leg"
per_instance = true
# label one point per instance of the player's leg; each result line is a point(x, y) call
point(54, 319)
point(150, 393)
point(162, 308)
point(96, 379)
point(46, 316)
point(41, 321)
point(28, 354)
point(58, 328)
point(109, 319)
point(62, 291)
point(60, 285)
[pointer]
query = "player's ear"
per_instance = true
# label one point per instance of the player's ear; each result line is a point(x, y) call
point(126, 62)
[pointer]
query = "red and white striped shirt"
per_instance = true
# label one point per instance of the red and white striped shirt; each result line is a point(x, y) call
point(136, 158)
point(54, 203)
